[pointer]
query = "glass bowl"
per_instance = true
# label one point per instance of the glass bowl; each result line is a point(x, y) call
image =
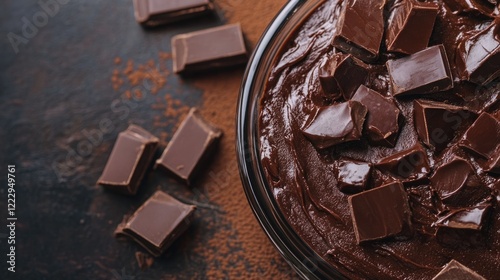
point(295, 251)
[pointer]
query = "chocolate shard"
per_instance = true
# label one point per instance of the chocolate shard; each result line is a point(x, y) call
point(478, 56)
point(383, 119)
point(190, 148)
point(360, 30)
point(157, 12)
point(457, 271)
point(353, 176)
point(457, 184)
point(471, 7)
point(483, 137)
point(211, 48)
point(335, 124)
point(426, 71)
point(157, 223)
point(464, 227)
point(424, 207)
point(373, 219)
point(409, 166)
point(129, 160)
point(341, 75)
point(410, 17)
point(437, 123)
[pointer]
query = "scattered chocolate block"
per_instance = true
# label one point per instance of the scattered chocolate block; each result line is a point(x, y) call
point(478, 56)
point(191, 146)
point(157, 223)
point(423, 72)
point(380, 213)
point(129, 160)
point(410, 17)
point(476, 8)
point(457, 184)
point(341, 75)
point(410, 166)
point(456, 271)
point(211, 48)
point(353, 176)
point(360, 30)
point(157, 12)
point(463, 227)
point(383, 117)
point(483, 137)
point(336, 124)
point(437, 123)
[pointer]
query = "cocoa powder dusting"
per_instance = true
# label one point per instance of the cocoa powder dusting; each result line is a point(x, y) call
point(257, 259)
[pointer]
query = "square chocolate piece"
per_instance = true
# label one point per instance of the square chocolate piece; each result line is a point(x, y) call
point(408, 18)
point(380, 213)
point(217, 47)
point(157, 12)
point(457, 271)
point(157, 223)
point(360, 29)
point(409, 166)
point(353, 176)
point(191, 146)
point(129, 160)
point(483, 137)
point(426, 71)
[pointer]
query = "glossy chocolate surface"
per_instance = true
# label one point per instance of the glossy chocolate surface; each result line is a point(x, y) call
point(157, 12)
point(303, 178)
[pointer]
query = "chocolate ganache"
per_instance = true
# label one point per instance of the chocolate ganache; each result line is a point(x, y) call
point(379, 134)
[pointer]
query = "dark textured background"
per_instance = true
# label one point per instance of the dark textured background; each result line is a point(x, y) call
point(55, 92)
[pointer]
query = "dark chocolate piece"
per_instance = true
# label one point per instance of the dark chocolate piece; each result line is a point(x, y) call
point(383, 117)
point(211, 48)
point(457, 271)
point(463, 227)
point(380, 213)
point(411, 165)
point(129, 160)
point(408, 18)
point(360, 29)
point(341, 75)
point(157, 12)
point(478, 56)
point(472, 7)
point(425, 207)
point(144, 261)
point(456, 183)
point(423, 72)
point(353, 176)
point(483, 137)
point(437, 123)
point(336, 124)
point(157, 223)
point(190, 147)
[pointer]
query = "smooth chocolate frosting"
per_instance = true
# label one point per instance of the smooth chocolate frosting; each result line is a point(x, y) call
point(304, 177)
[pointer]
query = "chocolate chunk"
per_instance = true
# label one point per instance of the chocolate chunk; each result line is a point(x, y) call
point(211, 48)
point(457, 271)
point(383, 117)
point(471, 7)
point(360, 29)
point(372, 217)
point(157, 12)
point(341, 75)
point(437, 123)
point(335, 124)
point(191, 146)
point(129, 160)
point(411, 165)
point(410, 17)
point(144, 261)
point(424, 207)
point(463, 227)
point(423, 72)
point(483, 137)
point(157, 223)
point(478, 56)
point(353, 176)
point(456, 183)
